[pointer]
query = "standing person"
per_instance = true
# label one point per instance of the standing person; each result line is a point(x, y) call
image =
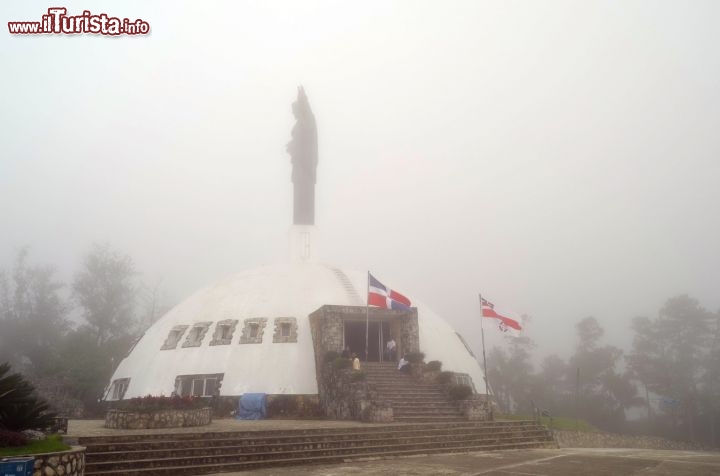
point(391, 349)
point(356, 362)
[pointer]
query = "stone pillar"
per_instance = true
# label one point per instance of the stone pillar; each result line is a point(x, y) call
point(410, 333)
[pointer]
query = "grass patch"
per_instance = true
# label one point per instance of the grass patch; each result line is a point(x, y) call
point(558, 422)
point(49, 445)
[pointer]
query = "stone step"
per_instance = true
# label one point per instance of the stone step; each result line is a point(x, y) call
point(305, 432)
point(425, 406)
point(249, 466)
point(426, 411)
point(413, 398)
point(429, 416)
point(292, 432)
point(402, 382)
point(368, 440)
point(395, 379)
point(389, 432)
point(407, 388)
point(416, 418)
point(388, 374)
point(272, 456)
point(407, 394)
point(403, 389)
point(385, 391)
point(199, 453)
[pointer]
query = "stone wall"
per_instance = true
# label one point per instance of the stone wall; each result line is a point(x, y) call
point(293, 406)
point(410, 334)
point(475, 409)
point(157, 419)
point(580, 439)
point(343, 398)
point(62, 463)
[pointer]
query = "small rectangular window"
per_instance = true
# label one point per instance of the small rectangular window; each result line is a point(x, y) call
point(224, 331)
point(286, 330)
point(196, 334)
point(210, 387)
point(173, 337)
point(252, 331)
point(198, 387)
point(119, 387)
point(186, 388)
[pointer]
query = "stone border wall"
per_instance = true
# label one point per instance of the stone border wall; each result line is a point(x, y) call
point(293, 406)
point(130, 420)
point(62, 463)
point(581, 439)
point(343, 398)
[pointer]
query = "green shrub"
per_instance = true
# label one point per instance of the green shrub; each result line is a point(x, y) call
point(340, 363)
point(415, 357)
point(20, 408)
point(444, 377)
point(459, 392)
point(330, 355)
point(433, 366)
point(357, 376)
point(282, 405)
point(51, 444)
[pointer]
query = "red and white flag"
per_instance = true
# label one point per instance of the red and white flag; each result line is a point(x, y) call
point(382, 296)
point(506, 324)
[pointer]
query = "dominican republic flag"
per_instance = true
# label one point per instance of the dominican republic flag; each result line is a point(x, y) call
point(382, 296)
point(506, 324)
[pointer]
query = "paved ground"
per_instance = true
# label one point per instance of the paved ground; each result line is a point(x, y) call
point(563, 462)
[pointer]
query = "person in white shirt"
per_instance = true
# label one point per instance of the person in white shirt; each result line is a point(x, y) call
point(356, 362)
point(390, 349)
point(403, 365)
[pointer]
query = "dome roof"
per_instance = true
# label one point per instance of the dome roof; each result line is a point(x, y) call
point(288, 290)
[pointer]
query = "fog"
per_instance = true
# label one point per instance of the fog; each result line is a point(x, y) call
point(559, 157)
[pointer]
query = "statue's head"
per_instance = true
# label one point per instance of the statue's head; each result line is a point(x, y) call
point(301, 106)
point(301, 94)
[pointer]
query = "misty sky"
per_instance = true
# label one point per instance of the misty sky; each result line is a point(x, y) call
point(560, 157)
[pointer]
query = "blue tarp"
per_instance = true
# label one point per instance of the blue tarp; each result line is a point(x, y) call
point(252, 406)
point(22, 466)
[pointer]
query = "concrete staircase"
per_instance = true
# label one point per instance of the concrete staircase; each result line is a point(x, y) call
point(202, 453)
point(411, 401)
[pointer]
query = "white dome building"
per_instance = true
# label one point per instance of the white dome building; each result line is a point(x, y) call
point(253, 332)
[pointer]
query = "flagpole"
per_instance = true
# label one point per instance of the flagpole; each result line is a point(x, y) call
point(482, 334)
point(367, 315)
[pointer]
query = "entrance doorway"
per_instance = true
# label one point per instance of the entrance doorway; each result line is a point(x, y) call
point(377, 332)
